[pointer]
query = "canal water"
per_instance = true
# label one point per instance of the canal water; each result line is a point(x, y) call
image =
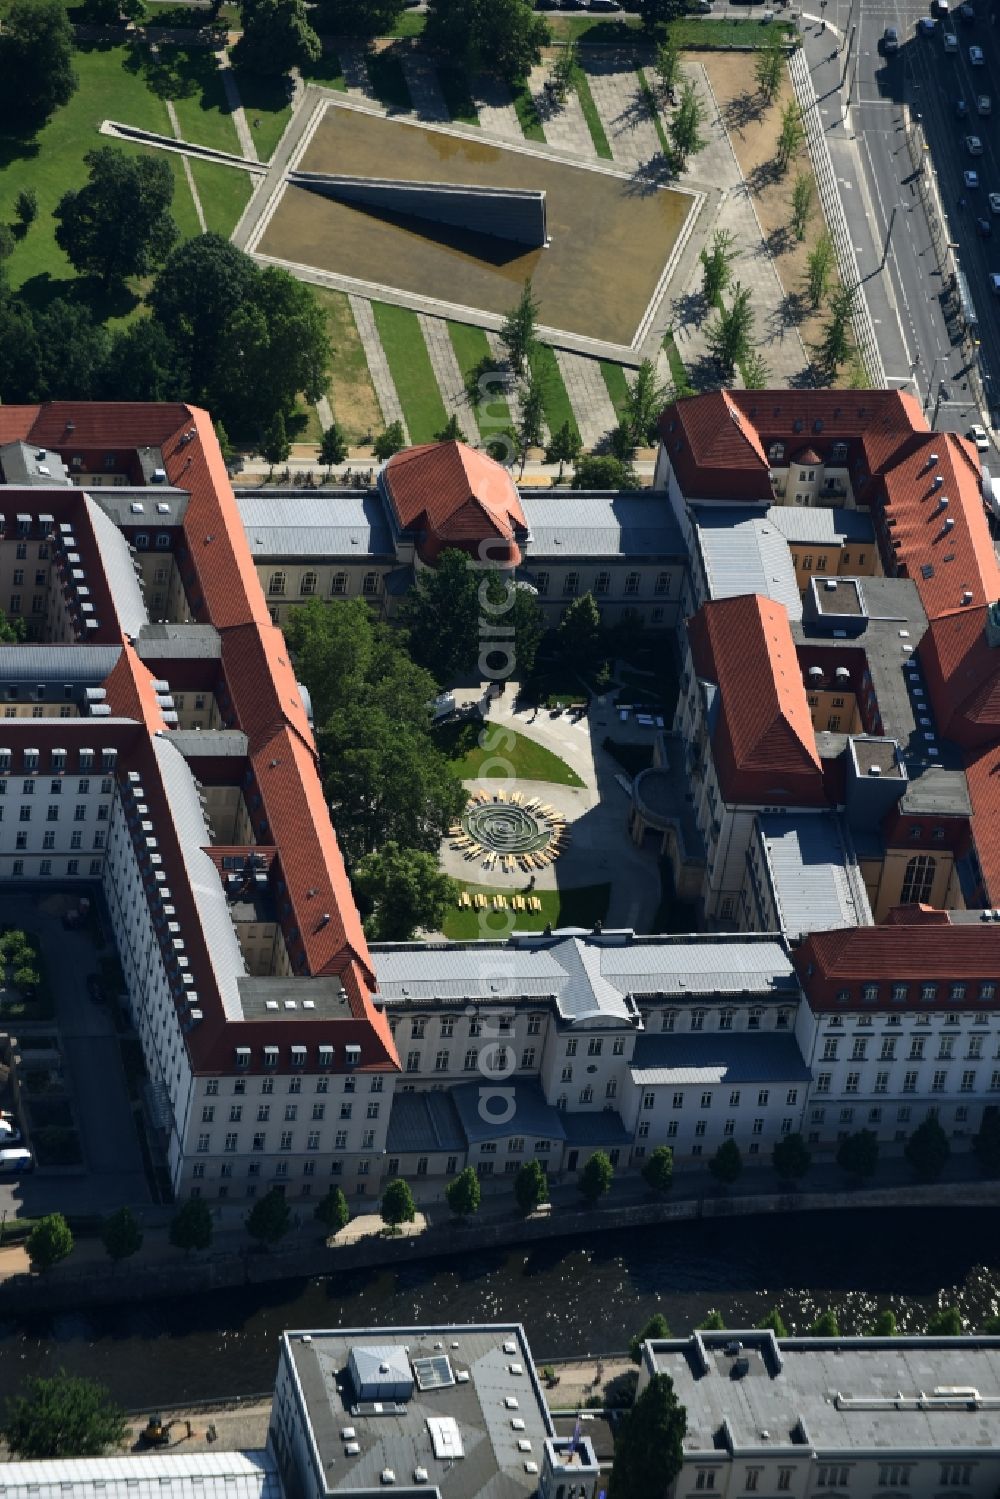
point(574, 1297)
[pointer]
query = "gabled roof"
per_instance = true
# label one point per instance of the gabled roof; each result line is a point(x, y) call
point(913, 949)
point(963, 676)
point(714, 449)
point(764, 744)
point(455, 496)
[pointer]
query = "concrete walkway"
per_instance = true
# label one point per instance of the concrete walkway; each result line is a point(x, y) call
point(355, 69)
point(243, 131)
point(511, 396)
point(175, 126)
point(448, 374)
point(425, 91)
point(564, 124)
point(614, 85)
point(495, 108)
point(588, 395)
point(325, 412)
point(378, 365)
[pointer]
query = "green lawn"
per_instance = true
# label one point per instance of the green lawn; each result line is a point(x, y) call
point(521, 757)
point(268, 110)
point(410, 23)
point(581, 906)
point(527, 113)
point(678, 374)
point(472, 351)
point(593, 119)
point(409, 362)
point(328, 72)
point(455, 87)
point(591, 31)
point(614, 379)
point(352, 394)
point(555, 401)
point(386, 73)
point(200, 99)
point(224, 193)
point(182, 207)
point(719, 32)
point(646, 90)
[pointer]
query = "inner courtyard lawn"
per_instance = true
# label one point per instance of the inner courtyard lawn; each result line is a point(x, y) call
point(405, 349)
point(582, 905)
point(522, 757)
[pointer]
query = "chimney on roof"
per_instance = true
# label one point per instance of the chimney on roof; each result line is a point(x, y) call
point(932, 459)
point(967, 596)
point(949, 524)
point(938, 480)
point(942, 503)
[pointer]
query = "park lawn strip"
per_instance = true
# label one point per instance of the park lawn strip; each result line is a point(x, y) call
point(705, 35)
point(268, 110)
point(555, 398)
point(52, 162)
point(388, 80)
point(471, 349)
point(592, 32)
point(522, 757)
point(410, 366)
point(328, 72)
point(581, 905)
point(455, 88)
point(678, 374)
point(224, 193)
point(202, 109)
point(582, 85)
point(352, 394)
point(649, 96)
point(614, 379)
point(410, 23)
point(527, 112)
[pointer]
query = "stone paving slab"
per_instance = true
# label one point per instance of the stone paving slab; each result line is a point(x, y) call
point(378, 365)
point(495, 107)
point(614, 85)
point(425, 90)
point(355, 69)
point(588, 395)
point(564, 124)
point(448, 374)
point(235, 103)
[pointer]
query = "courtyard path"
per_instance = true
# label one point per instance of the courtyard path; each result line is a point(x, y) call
point(378, 365)
point(615, 88)
point(511, 396)
point(448, 374)
point(425, 91)
point(588, 394)
point(564, 124)
point(352, 61)
point(495, 108)
point(235, 105)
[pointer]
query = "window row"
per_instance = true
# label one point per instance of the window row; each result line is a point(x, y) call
point(258, 1142)
point(911, 1082)
point(763, 1098)
point(375, 1085)
point(45, 868)
point(602, 584)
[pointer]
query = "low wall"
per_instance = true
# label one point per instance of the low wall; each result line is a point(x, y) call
point(99, 1285)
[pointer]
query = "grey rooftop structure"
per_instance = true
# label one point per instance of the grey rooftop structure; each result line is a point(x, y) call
point(813, 873)
point(160, 1475)
point(473, 1427)
point(51, 670)
point(835, 1396)
point(820, 526)
point(630, 526)
point(737, 553)
point(706, 1059)
point(23, 463)
point(171, 642)
point(157, 507)
point(348, 524)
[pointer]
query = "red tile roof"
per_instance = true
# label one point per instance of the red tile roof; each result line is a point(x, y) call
point(456, 497)
point(764, 745)
point(131, 694)
point(913, 949)
point(982, 775)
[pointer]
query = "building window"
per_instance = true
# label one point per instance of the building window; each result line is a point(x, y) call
point(758, 1126)
point(832, 1478)
point(632, 583)
point(726, 1020)
point(918, 881)
point(909, 1082)
point(338, 583)
point(734, 1099)
point(881, 1082)
point(939, 1081)
point(705, 1478)
point(662, 587)
point(307, 583)
point(413, 1061)
point(571, 585)
point(601, 584)
point(369, 586)
point(586, 1095)
point(276, 584)
point(230, 1145)
point(697, 1020)
point(649, 1099)
point(440, 1064)
point(784, 1479)
point(528, 1057)
point(823, 1082)
point(956, 1475)
point(541, 584)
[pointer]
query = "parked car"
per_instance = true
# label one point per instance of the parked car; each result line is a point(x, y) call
point(974, 145)
point(950, 41)
point(961, 108)
point(926, 25)
point(984, 104)
point(976, 57)
point(984, 228)
point(971, 179)
point(9, 1133)
point(890, 40)
point(977, 434)
point(994, 202)
point(16, 1162)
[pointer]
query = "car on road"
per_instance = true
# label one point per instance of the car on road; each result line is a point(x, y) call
point(16, 1162)
point(961, 108)
point(977, 434)
point(973, 145)
point(927, 25)
point(890, 40)
point(939, 8)
point(967, 13)
point(9, 1133)
point(971, 179)
point(976, 57)
point(984, 104)
point(994, 202)
point(995, 283)
point(950, 41)
point(984, 228)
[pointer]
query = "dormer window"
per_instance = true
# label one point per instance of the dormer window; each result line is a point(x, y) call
point(776, 452)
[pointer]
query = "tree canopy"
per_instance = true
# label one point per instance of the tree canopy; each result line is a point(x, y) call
point(121, 1234)
point(397, 1204)
point(118, 223)
point(531, 1186)
point(649, 1443)
point(658, 1169)
point(504, 37)
point(655, 1326)
point(359, 17)
point(405, 889)
point(270, 1217)
point(857, 1154)
point(442, 613)
point(791, 1157)
point(332, 1211)
point(191, 1225)
point(987, 1144)
point(927, 1150)
point(579, 630)
point(825, 1325)
point(596, 1177)
point(726, 1164)
point(62, 1416)
point(50, 1240)
point(36, 61)
point(464, 1194)
point(600, 471)
point(277, 37)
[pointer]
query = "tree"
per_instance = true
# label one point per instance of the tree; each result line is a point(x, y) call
point(726, 1164)
point(12, 631)
point(202, 285)
point(825, 1325)
point(714, 1321)
point(884, 1325)
point(406, 890)
point(658, 1169)
point(649, 1451)
point(802, 202)
point(531, 1186)
point(273, 345)
point(717, 265)
point(730, 337)
point(773, 1322)
point(655, 1328)
point(118, 223)
point(8, 242)
point(270, 1218)
point(927, 1150)
point(141, 364)
point(464, 1194)
point(564, 72)
point(277, 37)
point(986, 1144)
point(225, 446)
point(791, 134)
point(819, 264)
point(518, 331)
point(442, 613)
point(945, 1323)
point(514, 605)
point(332, 446)
point(332, 1211)
point(359, 17)
point(397, 1204)
point(684, 127)
point(502, 37)
point(756, 373)
point(857, 1154)
point(595, 1179)
point(579, 630)
point(50, 1240)
point(191, 1225)
point(451, 431)
point(274, 444)
point(791, 1158)
point(62, 1416)
point(835, 345)
point(121, 1234)
point(668, 65)
point(36, 61)
point(564, 447)
point(26, 206)
point(597, 471)
point(344, 655)
point(643, 405)
point(390, 441)
point(656, 13)
point(769, 68)
point(529, 426)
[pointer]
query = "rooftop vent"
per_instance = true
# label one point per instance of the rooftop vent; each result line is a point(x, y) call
point(874, 770)
point(949, 524)
point(967, 596)
point(351, 1449)
point(420, 1475)
point(830, 584)
point(931, 460)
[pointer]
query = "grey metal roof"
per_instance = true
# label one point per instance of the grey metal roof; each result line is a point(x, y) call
point(173, 641)
point(22, 463)
point(293, 996)
point(423, 1122)
point(119, 574)
point(799, 1380)
point(724, 1057)
point(689, 968)
point(817, 524)
point(485, 1112)
point(603, 1127)
point(813, 873)
point(81, 665)
point(347, 526)
point(743, 553)
point(629, 526)
point(163, 508)
point(493, 1465)
point(226, 743)
point(174, 1475)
